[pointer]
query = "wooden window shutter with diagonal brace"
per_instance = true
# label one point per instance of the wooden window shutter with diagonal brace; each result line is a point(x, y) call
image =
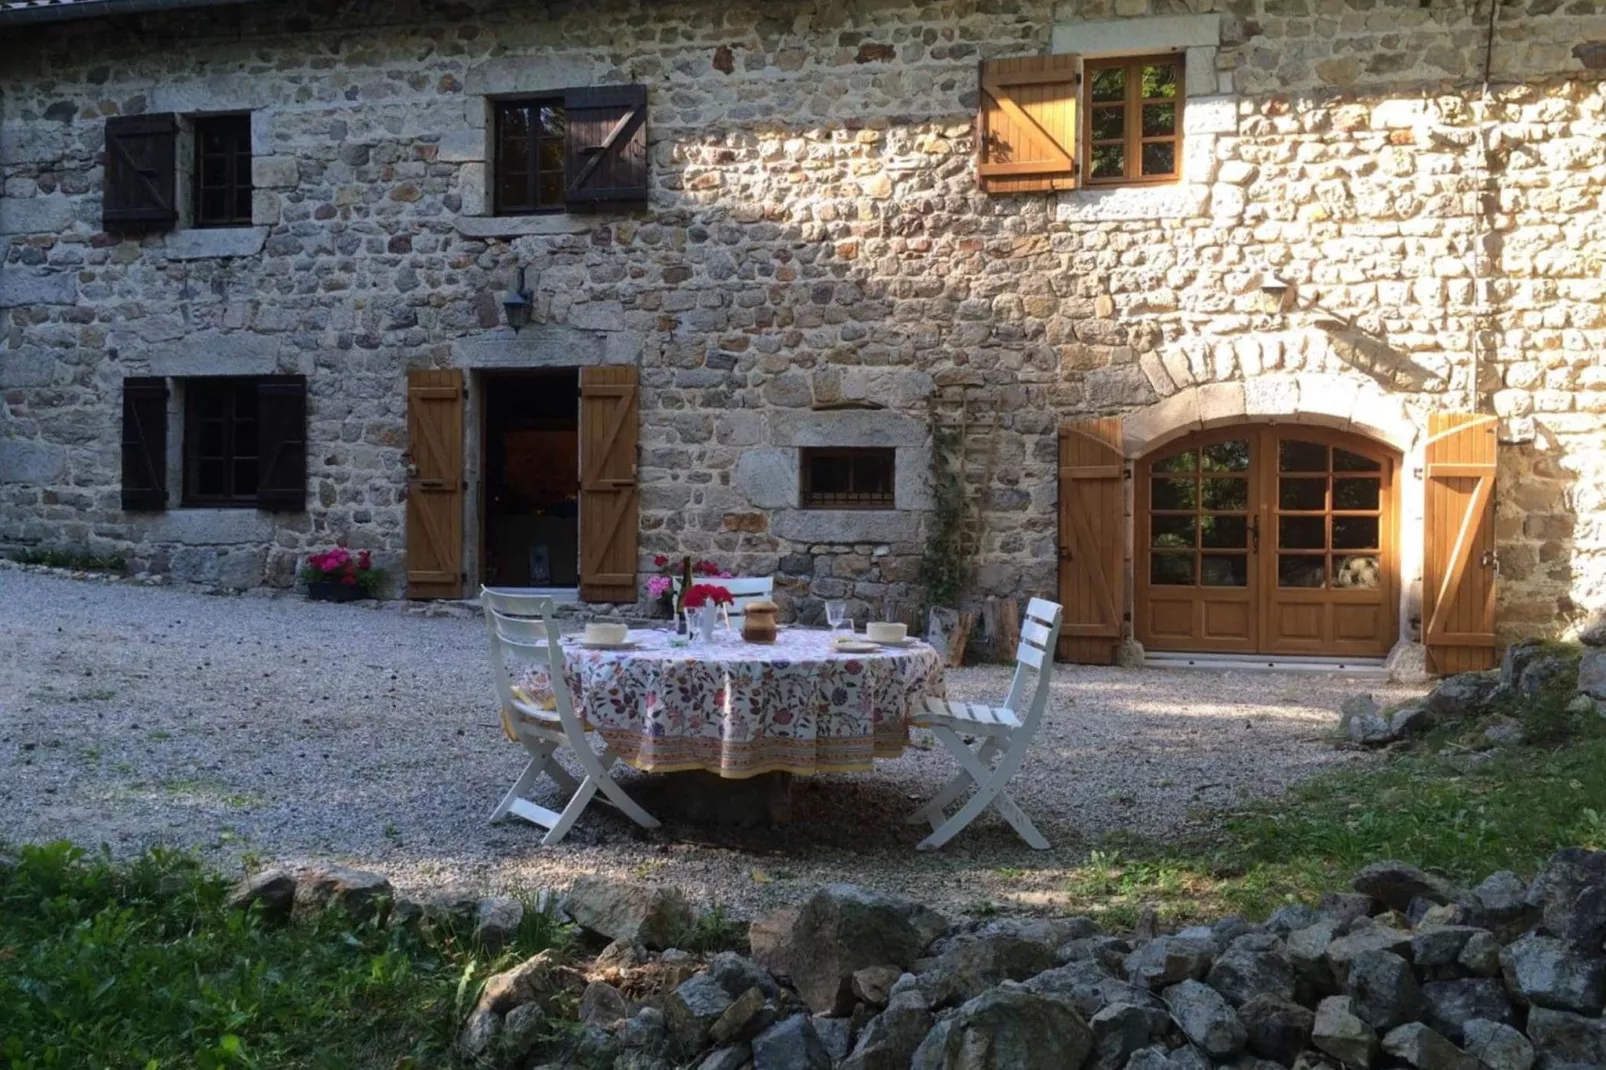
point(144, 443)
point(1458, 568)
point(1091, 509)
point(606, 153)
point(435, 483)
point(608, 503)
point(1026, 124)
point(139, 192)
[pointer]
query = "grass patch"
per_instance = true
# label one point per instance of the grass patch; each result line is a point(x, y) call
point(145, 966)
point(68, 559)
point(1508, 809)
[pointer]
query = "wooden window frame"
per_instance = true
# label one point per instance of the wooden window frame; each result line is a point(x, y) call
point(234, 162)
point(1132, 138)
point(808, 498)
point(235, 386)
point(532, 157)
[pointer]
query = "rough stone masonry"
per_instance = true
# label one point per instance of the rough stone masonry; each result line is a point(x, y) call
point(815, 236)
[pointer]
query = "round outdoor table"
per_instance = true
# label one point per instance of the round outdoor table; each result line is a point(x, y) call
point(738, 709)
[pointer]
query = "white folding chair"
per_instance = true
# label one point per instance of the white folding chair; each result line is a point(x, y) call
point(1004, 733)
point(524, 627)
point(744, 589)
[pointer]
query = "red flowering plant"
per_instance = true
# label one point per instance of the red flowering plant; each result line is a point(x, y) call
point(661, 588)
point(340, 565)
point(706, 594)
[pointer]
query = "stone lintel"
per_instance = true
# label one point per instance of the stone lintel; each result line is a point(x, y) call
point(208, 527)
point(847, 427)
point(1136, 37)
point(517, 226)
point(846, 525)
point(211, 242)
point(547, 345)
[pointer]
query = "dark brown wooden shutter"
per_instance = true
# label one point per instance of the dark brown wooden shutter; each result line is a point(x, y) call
point(607, 145)
point(282, 443)
point(140, 191)
point(1092, 583)
point(1026, 124)
point(608, 505)
point(144, 444)
point(1458, 561)
point(435, 483)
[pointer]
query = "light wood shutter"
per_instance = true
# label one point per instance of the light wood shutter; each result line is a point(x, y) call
point(435, 484)
point(139, 192)
point(1026, 124)
point(144, 444)
point(1092, 587)
point(282, 443)
point(1459, 565)
point(606, 150)
point(608, 432)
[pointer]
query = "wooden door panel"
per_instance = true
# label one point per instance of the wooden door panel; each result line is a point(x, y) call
point(435, 483)
point(1357, 623)
point(1091, 577)
point(609, 417)
point(1227, 622)
point(1458, 577)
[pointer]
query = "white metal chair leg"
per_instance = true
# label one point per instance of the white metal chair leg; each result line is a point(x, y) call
point(532, 770)
point(989, 792)
point(935, 810)
point(596, 767)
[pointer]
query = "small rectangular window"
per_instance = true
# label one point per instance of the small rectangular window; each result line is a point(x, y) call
point(1133, 124)
point(220, 441)
point(223, 171)
point(531, 136)
point(842, 478)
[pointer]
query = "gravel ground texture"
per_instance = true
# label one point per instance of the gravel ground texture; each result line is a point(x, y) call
point(256, 728)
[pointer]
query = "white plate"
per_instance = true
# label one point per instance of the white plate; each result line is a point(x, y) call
point(628, 644)
point(905, 641)
point(856, 646)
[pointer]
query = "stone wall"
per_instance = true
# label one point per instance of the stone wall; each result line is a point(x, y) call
point(815, 237)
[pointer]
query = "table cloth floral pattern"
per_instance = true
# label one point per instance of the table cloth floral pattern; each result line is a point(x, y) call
point(739, 709)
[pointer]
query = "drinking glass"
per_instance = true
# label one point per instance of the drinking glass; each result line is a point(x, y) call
point(835, 613)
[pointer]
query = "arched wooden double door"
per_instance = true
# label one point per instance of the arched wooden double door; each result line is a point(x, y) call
point(1267, 539)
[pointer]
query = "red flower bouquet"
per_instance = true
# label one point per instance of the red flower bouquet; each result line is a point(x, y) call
point(706, 594)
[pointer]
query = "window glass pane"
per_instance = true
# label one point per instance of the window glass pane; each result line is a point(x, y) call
point(1172, 494)
point(1224, 570)
point(515, 122)
point(1172, 532)
point(1159, 120)
point(1160, 158)
point(1355, 532)
point(1355, 494)
point(552, 190)
point(1178, 462)
point(513, 192)
point(245, 477)
point(1300, 570)
point(1357, 572)
point(1109, 83)
point(212, 137)
point(1109, 123)
point(209, 478)
point(830, 475)
point(210, 402)
point(1224, 531)
point(1345, 461)
point(214, 205)
point(1295, 456)
point(1302, 494)
point(242, 203)
point(1226, 495)
point(1227, 456)
point(210, 442)
point(1109, 161)
point(550, 156)
point(1301, 532)
point(1160, 80)
point(554, 121)
point(872, 475)
point(1171, 570)
point(245, 402)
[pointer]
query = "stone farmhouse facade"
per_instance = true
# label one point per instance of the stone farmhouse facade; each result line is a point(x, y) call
point(1243, 326)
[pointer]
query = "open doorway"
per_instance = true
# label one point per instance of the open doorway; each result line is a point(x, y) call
point(531, 490)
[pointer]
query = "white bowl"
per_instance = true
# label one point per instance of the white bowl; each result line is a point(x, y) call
point(606, 633)
point(878, 631)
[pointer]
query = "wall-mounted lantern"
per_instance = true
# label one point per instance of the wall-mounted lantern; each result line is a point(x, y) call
point(518, 303)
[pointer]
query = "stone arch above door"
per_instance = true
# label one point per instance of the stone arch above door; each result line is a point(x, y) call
point(1341, 402)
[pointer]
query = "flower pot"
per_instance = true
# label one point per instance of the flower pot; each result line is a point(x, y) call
point(326, 591)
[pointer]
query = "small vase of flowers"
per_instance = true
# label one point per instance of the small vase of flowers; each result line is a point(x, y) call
point(661, 587)
point(702, 602)
point(338, 575)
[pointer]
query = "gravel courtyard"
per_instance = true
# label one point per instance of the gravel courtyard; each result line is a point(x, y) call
point(269, 728)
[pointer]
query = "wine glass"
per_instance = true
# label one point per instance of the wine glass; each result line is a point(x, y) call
point(835, 613)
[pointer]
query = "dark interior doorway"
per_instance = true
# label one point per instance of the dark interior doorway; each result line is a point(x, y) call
point(532, 479)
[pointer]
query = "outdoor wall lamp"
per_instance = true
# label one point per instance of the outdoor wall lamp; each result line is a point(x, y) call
point(1275, 291)
point(1281, 297)
point(518, 303)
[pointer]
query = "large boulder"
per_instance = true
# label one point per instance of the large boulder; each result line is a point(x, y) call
point(272, 891)
point(1396, 883)
point(1007, 1027)
point(1206, 1018)
point(531, 981)
point(1441, 945)
point(889, 1040)
point(1567, 1037)
point(1383, 990)
point(842, 929)
point(1342, 951)
point(357, 892)
point(1592, 630)
point(791, 1044)
point(1452, 1003)
point(1341, 1033)
point(1416, 1045)
point(1592, 674)
point(653, 915)
point(975, 962)
point(1169, 960)
point(1119, 1030)
point(1547, 972)
point(1570, 892)
point(1456, 698)
point(1254, 965)
point(1277, 1029)
point(496, 921)
point(693, 1008)
point(1497, 1046)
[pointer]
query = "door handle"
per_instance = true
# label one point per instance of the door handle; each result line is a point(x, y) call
point(1254, 533)
point(431, 484)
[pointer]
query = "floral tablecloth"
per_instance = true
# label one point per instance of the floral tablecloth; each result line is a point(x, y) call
point(739, 709)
